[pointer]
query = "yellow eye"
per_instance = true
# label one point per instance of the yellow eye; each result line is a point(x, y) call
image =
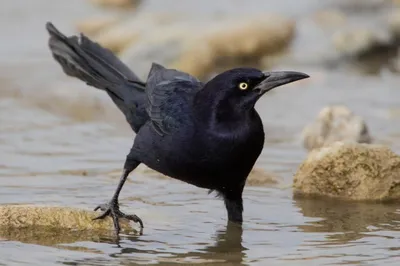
point(243, 86)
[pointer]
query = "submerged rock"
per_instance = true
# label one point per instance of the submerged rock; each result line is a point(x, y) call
point(25, 216)
point(208, 47)
point(50, 236)
point(350, 171)
point(335, 123)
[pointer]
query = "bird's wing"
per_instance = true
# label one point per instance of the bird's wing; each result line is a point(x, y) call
point(97, 66)
point(168, 92)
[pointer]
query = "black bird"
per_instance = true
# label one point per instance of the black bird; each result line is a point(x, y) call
point(206, 134)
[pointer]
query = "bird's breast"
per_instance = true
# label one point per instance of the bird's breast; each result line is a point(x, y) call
point(207, 159)
point(213, 161)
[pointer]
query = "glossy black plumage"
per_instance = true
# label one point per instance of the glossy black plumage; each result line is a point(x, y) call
point(206, 134)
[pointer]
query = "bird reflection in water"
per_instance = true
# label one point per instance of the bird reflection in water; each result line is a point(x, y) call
point(227, 248)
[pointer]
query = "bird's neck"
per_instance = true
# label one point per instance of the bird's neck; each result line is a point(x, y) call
point(218, 111)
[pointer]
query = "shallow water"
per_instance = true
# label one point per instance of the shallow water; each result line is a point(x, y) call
point(64, 144)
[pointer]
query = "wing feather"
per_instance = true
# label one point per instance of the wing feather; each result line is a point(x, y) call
point(168, 91)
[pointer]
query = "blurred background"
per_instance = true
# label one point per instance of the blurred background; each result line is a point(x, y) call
point(63, 143)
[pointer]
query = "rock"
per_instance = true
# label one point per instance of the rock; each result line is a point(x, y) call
point(350, 171)
point(28, 216)
point(116, 39)
point(203, 50)
point(45, 236)
point(91, 26)
point(163, 46)
point(124, 34)
point(351, 35)
point(361, 6)
point(394, 22)
point(359, 41)
point(369, 40)
point(330, 18)
point(257, 177)
point(117, 3)
point(235, 42)
point(335, 123)
point(367, 50)
point(260, 178)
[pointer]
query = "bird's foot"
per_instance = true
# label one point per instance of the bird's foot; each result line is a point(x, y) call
point(112, 209)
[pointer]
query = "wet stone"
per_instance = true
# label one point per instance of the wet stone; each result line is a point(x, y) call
point(351, 171)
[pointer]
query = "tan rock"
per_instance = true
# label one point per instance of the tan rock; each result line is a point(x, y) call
point(360, 6)
point(257, 177)
point(335, 123)
point(260, 178)
point(91, 26)
point(394, 22)
point(330, 18)
point(350, 171)
point(117, 3)
point(368, 42)
point(46, 236)
point(235, 42)
point(203, 50)
point(162, 44)
point(124, 34)
point(357, 41)
point(116, 39)
point(25, 216)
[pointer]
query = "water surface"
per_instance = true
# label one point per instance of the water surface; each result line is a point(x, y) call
point(63, 144)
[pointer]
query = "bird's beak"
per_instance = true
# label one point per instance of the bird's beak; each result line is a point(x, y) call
point(279, 78)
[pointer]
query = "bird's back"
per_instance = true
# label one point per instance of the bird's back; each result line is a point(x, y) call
point(169, 99)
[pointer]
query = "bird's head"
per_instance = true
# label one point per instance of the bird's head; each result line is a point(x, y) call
point(231, 96)
point(242, 87)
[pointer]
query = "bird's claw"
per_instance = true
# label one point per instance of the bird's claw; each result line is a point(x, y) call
point(102, 207)
point(112, 209)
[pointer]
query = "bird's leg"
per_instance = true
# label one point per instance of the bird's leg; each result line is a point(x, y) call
point(112, 208)
point(234, 206)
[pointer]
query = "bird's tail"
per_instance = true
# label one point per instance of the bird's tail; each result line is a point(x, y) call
point(96, 66)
